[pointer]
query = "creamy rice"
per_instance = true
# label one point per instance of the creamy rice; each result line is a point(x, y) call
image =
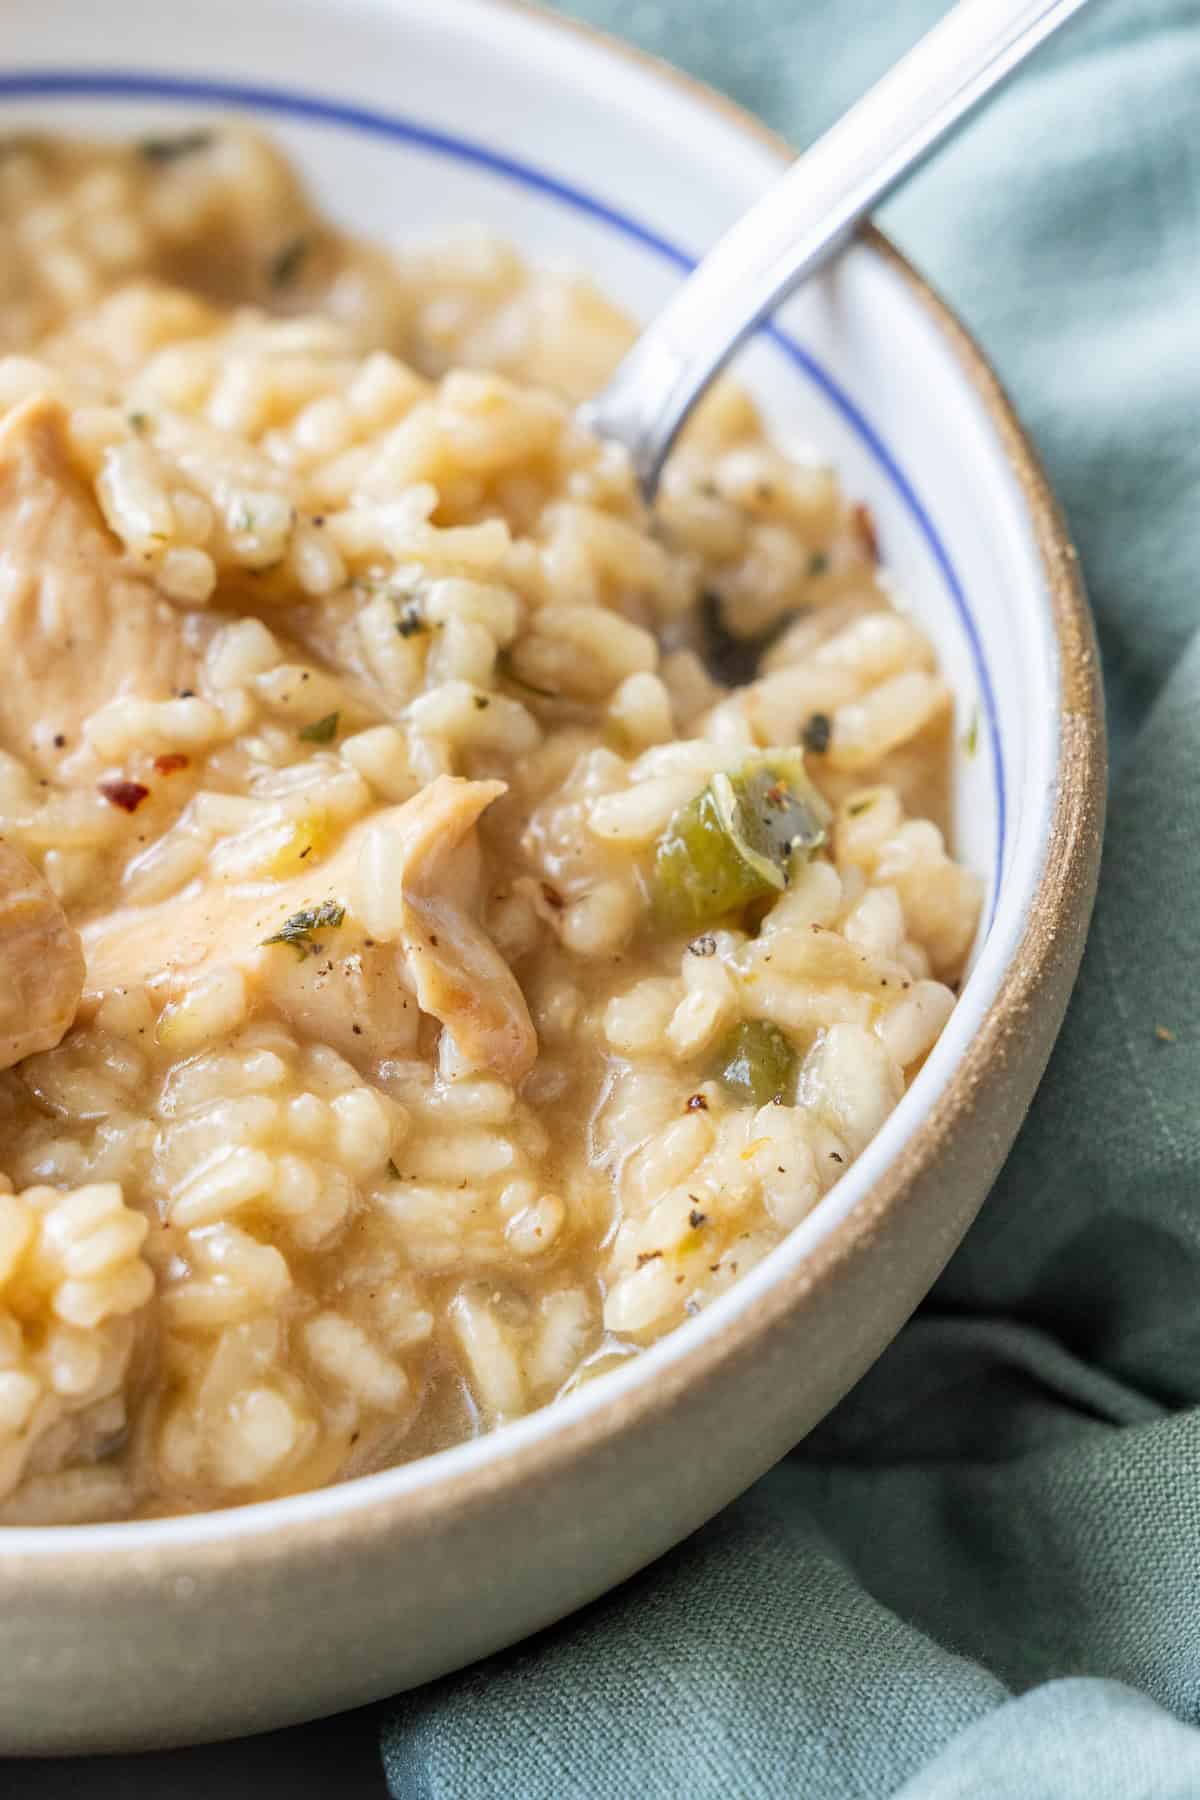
point(375, 743)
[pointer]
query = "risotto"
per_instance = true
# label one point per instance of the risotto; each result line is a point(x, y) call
point(452, 925)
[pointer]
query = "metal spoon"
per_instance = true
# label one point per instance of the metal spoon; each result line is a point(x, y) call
point(807, 216)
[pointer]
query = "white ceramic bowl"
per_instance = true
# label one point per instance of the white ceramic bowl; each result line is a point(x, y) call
point(406, 116)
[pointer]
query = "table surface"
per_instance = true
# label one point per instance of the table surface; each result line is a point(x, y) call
point(334, 1757)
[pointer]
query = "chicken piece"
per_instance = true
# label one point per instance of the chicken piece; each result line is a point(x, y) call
point(76, 629)
point(342, 988)
point(332, 981)
point(384, 921)
point(411, 892)
point(41, 962)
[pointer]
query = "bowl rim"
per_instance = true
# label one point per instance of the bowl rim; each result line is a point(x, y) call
point(1065, 886)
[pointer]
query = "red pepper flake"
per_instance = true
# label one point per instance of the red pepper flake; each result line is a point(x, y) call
point(863, 521)
point(697, 1103)
point(171, 762)
point(128, 795)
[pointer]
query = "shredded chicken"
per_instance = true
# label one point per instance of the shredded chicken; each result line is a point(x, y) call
point(402, 883)
point(456, 971)
point(41, 962)
point(76, 629)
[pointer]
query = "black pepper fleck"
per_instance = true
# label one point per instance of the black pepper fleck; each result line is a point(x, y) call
point(817, 732)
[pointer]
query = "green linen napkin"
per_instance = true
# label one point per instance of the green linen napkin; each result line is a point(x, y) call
point(981, 1576)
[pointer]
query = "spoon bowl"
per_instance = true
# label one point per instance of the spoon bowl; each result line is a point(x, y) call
point(809, 214)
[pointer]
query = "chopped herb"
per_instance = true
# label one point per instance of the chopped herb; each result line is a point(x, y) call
point(648, 1256)
point(321, 731)
point(138, 422)
point(481, 702)
point(696, 1218)
point(285, 265)
point(128, 795)
point(971, 741)
point(393, 1171)
point(298, 930)
point(505, 666)
point(170, 762)
point(171, 149)
point(818, 563)
point(817, 733)
point(411, 623)
point(857, 807)
point(703, 946)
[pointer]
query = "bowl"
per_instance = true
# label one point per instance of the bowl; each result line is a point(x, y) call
point(404, 116)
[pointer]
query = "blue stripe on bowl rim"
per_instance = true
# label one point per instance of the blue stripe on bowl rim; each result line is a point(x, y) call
point(125, 84)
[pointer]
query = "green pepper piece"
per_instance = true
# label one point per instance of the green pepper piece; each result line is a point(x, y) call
point(321, 731)
point(735, 842)
point(756, 1062)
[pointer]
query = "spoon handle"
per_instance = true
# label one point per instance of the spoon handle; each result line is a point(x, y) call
point(808, 214)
